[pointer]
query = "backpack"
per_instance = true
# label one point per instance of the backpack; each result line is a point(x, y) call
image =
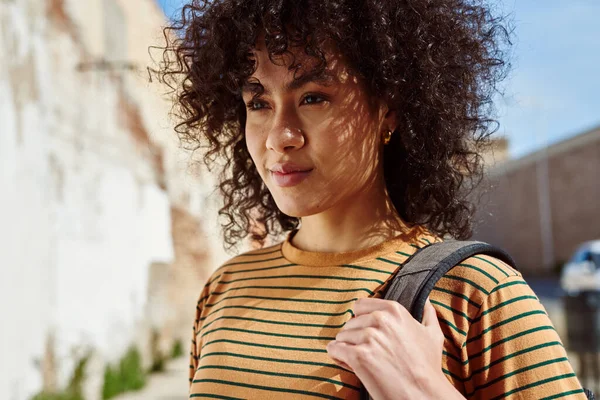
point(413, 283)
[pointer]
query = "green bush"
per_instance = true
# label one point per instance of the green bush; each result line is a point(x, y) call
point(112, 383)
point(158, 358)
point(57, 396)
point(177, 350)
point(132, 372)
point(74, 390)
point(129, 375)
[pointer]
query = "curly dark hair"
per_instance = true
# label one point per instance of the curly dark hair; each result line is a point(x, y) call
point(438, 63)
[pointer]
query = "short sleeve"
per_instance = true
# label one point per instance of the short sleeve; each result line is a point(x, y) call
point(513, 349)
point(195, 347)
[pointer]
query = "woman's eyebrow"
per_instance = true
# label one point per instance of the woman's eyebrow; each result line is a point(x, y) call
point(320, 78)
point(254, 88)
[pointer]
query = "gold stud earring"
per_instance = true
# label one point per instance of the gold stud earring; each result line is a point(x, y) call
point(387, 137)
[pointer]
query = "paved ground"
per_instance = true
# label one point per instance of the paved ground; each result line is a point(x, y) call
point(172, 384)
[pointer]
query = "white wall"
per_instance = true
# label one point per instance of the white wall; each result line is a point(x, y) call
point(81, 215)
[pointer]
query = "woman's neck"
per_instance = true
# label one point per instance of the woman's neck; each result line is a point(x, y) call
point(361, 223)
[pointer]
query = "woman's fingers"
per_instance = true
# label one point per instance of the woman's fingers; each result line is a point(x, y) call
point(381, 319)
point(338, 351)
point(369, 305)
point(359, 322)
point(429, 315)
point(358, 336)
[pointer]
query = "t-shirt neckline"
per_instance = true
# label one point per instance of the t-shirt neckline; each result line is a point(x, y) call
point(406, 242)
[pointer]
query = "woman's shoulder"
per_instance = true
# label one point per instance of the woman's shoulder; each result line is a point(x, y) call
point(480, 293)
point(485, 271)
point(253, 258)
point(476, 282)
point(247, 261)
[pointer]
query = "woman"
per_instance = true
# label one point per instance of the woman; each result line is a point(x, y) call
point(354, 128)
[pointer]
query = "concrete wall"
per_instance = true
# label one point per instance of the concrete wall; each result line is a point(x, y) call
point(544, 205)
point(93, 192)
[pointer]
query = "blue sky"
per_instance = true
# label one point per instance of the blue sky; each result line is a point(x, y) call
point(553, 91)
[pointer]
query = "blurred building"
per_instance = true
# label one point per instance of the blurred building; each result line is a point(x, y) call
point(106, 233)
point(495, 153)
point(542, 206)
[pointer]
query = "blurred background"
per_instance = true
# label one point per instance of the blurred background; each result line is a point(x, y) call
point(109, 229)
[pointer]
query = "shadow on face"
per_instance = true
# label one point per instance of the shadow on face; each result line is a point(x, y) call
point(322, 120)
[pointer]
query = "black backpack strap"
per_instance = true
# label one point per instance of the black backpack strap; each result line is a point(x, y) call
point(415, 280)
point(413, 283)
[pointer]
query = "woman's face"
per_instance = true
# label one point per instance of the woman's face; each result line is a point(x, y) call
point(316, 141)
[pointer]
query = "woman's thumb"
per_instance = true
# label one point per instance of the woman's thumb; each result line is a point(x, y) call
point(429, 314)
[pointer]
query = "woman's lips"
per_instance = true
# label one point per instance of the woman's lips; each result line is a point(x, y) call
point(289, 179)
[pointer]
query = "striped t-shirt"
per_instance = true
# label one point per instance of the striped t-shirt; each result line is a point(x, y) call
point(264, 319)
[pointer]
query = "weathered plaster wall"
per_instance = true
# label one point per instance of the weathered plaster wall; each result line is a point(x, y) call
point(94, 193)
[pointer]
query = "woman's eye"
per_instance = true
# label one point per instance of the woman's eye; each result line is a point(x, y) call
point(254, 105)
point(313, 99)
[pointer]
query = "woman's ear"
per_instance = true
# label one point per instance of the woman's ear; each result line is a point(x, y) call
point(390, 119)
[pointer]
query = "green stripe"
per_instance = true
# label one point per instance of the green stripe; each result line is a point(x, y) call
point(453, 357)
point(461, 279)
point(415, 246)
point(500, 305)
point(451, 325)
point(459, 295)
point(214, 396)
point(508, 339)
point(450, 340)
point(267, 321)
point(338, 278)
point(492, 264)
point(202, 299)
point(211, 282)
point(250, 262)
point(563, 394)
point(261, 254)
point(260, 269)
point(388, 261)
point(274, 389)
point(506, 321)
point(268, 334)
point(266, 346)
point(457, 312)
point(280, 311)
point(425, 240)
point(254, 262)
point(516, 372)
point(278, 360)
point(284, 299)
point(451, 374)
point(534, 384)
point(479, 270)
point(507, 285)
point(403, 253)
point(297, 288)
point(281, 374)
point(515, 354)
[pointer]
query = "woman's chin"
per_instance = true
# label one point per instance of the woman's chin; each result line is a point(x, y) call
point(295, 209)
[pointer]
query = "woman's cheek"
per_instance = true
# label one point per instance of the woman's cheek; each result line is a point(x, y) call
point(253, 145)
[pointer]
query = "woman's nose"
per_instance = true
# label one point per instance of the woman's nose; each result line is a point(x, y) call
point(285, 135)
